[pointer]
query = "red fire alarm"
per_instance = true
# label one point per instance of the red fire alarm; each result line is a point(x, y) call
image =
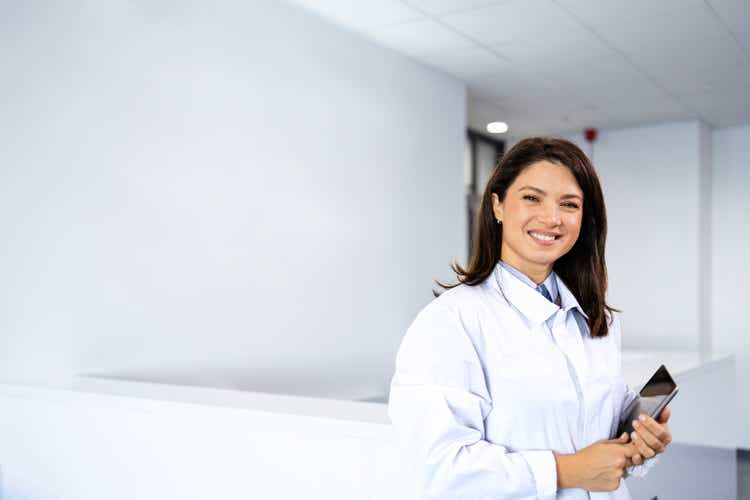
point(590, 134)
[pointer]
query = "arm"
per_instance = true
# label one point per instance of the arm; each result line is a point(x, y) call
point(438, 403)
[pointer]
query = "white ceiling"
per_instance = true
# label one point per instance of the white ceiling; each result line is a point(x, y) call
point(552, 66)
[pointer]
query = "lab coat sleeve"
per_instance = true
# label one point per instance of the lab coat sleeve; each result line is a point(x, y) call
point(630, 395)
point(438, 403)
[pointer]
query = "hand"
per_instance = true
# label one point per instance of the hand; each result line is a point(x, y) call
point(599, 467)
point(650, 437)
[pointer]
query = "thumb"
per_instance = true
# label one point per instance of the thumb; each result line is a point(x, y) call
point(620, 440)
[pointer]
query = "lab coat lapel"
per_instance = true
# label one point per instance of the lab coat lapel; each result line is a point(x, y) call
point(572, 341)
point(567, 299)
point(528, 301)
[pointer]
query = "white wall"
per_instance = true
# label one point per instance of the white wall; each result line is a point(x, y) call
point(234, 194)
point(650, 176)
point(660, 181)
point(731, 247)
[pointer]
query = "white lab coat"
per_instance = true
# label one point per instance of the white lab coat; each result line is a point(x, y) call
point(486, 389)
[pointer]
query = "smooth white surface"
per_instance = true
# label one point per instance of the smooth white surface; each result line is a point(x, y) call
point(78, 445)
point(88, 439)
point(730, 247)
point(637, 364)
point(162, 219)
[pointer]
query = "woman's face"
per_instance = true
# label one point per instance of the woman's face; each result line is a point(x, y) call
point(541, 217)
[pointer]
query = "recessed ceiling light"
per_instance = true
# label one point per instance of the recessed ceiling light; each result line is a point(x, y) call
point(497, 127)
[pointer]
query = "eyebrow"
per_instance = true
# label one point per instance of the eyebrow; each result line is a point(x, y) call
point(563, 197)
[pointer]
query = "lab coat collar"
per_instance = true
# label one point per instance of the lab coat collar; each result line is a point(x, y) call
point(568, 301)
point(529, 301)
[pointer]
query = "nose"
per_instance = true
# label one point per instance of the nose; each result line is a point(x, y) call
point(551, 215)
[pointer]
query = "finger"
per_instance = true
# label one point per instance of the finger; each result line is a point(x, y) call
point(644, 432)
point(636, 459)
point(660, 433)
point(644, 449)
point(631, 449)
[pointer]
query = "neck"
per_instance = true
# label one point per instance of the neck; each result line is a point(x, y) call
point(536, 272)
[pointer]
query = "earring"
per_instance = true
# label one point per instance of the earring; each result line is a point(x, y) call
point(499, 221)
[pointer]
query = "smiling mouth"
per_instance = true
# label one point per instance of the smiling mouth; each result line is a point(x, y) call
point(543, 237)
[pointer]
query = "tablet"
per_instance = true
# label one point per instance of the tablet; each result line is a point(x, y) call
point(653, 398)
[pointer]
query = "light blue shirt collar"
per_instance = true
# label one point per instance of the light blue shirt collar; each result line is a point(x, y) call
point(550, 282)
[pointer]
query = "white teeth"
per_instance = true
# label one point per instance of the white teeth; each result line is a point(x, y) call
point(542, 237)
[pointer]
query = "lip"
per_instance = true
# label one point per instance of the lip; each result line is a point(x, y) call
point(542, 242)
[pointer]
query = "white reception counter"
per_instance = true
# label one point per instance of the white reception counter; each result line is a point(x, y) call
point(89, 438)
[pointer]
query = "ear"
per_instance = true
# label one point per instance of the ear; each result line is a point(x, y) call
point(497, 207)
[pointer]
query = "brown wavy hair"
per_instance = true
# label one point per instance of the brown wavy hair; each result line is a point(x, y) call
point(583, 268)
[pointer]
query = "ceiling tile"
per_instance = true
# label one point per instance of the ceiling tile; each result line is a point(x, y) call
point(673, 28)
point(683, 73)
point(699, 52)
point(419, 37)
point(736, 15)
point(481, 112)
point(511, 83)
point(362, 14)
point(630, 90)
point(584, 118)
point(542, 68)
point(470, 63)
point(552, 104)
point(449, 6)
point(550, 122)
point(590, 72)
point(644, 110)
point(572, 45)
point(722, 109)
point(602, 12)
point(502, 23)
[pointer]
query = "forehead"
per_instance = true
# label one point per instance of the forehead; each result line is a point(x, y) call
point(548, 176)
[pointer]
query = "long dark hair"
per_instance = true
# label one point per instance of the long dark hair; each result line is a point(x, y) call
point(583, 268)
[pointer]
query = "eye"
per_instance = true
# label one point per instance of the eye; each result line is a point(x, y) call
point(570, 204)
point(530, 197)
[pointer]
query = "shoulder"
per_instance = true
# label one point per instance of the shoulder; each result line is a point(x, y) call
point(443, 312)
point(464, 299)
point(440, 329)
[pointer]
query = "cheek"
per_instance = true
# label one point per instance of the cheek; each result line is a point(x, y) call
point(574, 228)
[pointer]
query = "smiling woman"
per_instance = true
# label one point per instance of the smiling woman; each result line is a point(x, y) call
point(509, 383)
point(549, 186)
point(541, 218)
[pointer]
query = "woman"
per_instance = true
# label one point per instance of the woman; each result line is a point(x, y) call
point(509, 385)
